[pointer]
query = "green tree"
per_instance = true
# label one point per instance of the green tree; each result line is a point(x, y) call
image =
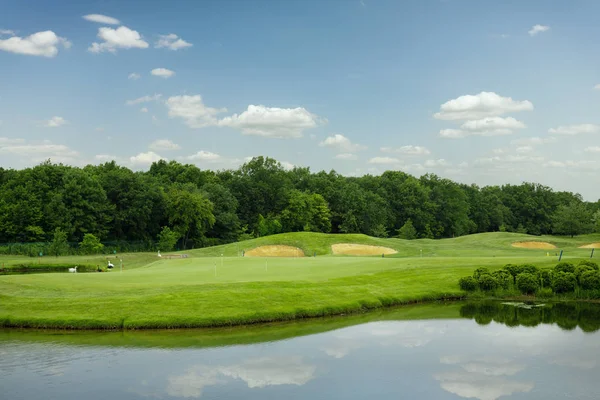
point(407, 231)
point(90, 244)
point(167, 239)
point(306, 212)
point(190, 213)
point(59, 245)
point(573, 219)
point(596, 221)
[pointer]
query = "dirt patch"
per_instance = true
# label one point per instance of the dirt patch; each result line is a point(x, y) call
point(275, 251)
point(351, 249)
point(591, 246)
point(534, 245)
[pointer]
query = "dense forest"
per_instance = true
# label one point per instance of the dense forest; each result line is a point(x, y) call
point(181, 205)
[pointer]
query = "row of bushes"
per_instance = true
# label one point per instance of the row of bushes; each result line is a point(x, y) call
point(34, 249)
point(528, 279)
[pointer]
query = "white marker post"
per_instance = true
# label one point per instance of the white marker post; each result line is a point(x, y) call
point(121, 265)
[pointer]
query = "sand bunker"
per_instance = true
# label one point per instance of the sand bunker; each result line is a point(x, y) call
point(591, 246)
point(534, 245)
point(350, 249)
point(275, 251)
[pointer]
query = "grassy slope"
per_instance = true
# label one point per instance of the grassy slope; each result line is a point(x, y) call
point(154, 293)
point(214, 337)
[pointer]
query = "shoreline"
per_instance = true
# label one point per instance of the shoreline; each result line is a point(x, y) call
point(364, 307)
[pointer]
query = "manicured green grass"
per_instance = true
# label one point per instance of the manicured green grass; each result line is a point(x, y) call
point(213, 337)
point(177, 293)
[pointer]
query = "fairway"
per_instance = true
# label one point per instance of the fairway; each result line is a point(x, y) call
point(205, 290)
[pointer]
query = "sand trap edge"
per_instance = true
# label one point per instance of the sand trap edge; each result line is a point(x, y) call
point(534, 245)
point(354, 249)
point(275, 251)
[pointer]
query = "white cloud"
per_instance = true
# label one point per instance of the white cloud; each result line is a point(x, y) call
point(436, 163)
point(538, 29)
point(506, 161)
point(171, 42)
point(134, 76)
point(7, 32)
point(524, 149)
point(8, 141)
point(105, 157)
point(272, 122)
point(162, 72)
point(144, 109)
point(204, 156)
point(287, 165)
point(532, 141)
point(575, 129)
point(163, 145)
point(193, 111)
point(346, 156)
point(101, 19)
point(120, 38)
point(453, 133)
point(592, 149)
point(384, 160)
point(144, 99)
point(498, 151)
point(482, 105)
point(580, 164)
point(43, 44)
point(55, 122)
point(491, 124)
point(409, 150)
point(341, 143)
point(597, 87)
point(145, 159)
point(40, 151)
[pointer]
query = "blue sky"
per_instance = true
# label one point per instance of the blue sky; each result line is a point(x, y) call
point(476, 91)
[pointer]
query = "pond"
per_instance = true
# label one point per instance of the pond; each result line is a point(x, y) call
point(481, 351)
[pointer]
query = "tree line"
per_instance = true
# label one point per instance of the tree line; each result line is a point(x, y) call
point(189, 207)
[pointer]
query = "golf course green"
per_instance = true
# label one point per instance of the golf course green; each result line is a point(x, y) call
point(217, 286)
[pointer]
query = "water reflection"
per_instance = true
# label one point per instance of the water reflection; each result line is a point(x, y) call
point(568, 316)
point(497, 352)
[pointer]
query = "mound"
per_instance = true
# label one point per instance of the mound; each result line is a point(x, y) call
point(591, 246)
point(275, 251)
point(351, 249)
point(534, 245)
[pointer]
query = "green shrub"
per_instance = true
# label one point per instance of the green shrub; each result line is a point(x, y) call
point(589, 263)
point(503, 278)
point(581, 269)
point(527, 283)
point(487, 282)
point(468, 283)
point(564, 267)
point(544, 293)
point(590, 280)
point(528, 269)
point(480, 271)
point(545, 278)
point(513, 270)
point(563, 282)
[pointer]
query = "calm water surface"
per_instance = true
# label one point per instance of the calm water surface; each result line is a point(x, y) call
point(480, 351)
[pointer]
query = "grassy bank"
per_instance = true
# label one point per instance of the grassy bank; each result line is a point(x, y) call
point(204, 291)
